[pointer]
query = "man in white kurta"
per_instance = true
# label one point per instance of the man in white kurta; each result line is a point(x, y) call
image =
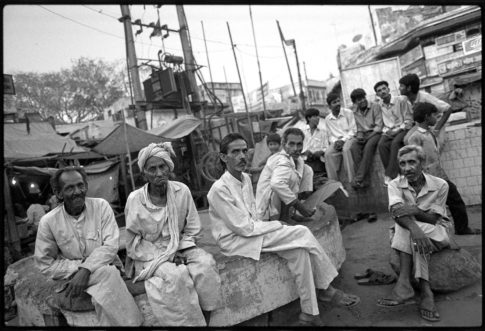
point(85, 241)
point(238, 231)
point(284, 176)
point(181, 280)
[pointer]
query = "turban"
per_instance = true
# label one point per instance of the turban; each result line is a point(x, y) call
point(161, 150)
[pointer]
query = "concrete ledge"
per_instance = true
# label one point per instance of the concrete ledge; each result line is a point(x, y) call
point(249, 288)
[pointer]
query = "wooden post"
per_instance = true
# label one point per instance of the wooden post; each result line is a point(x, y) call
point(13, 234)
point(123, 175)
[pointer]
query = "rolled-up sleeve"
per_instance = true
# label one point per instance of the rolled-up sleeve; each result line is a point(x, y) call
point(395, 194)
point(47, 255)
point(192, 226)
point(280, 181)
point(110, 236)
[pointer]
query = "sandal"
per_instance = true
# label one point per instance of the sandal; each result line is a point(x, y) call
point(367, 273)
point(386, 302)
point(377, 278)
point(339, 297)
point(429, 315)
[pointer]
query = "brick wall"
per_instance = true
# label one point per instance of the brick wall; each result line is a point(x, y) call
point(462, 160)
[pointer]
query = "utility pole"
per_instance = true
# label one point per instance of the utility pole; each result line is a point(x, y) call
point(257, 58)
point(188, 55)
point(229, 91)
point(302, 95)
point(250, 124)
point(304, 69)
point(286, 57)
point(372, 24)
point(209, 66)
point(140, 118)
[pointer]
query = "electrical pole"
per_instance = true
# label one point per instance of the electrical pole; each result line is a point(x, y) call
point(209, 66)
point(250, 124)
point(286, 57)
point(140, 118)
point(229, 91)
point(188, 55)
point(372, 24)
point(302, 95)
point(257, 58)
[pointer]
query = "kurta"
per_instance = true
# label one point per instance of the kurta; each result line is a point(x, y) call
point(238, 231)
point(176, 293)
point(280, 181)
point(65, 244)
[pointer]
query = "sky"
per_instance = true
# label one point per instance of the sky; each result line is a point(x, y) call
point(44, 38)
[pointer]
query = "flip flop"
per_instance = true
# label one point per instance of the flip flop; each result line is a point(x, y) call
point(366, 274)
point(429, 315)
point(394, 302)
point(337, 299)
point(377, 278)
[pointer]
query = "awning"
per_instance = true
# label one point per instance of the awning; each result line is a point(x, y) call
point(178, 128)
point(115, 143)
point(467, 79)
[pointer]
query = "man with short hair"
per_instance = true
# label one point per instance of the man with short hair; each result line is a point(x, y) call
point(409, 87)
point(78, 241)
point(397, 118)
point(368, 117)
point(283, 178)
point(426, 115)
point(417, 202)
point(315, 143)
point(162, 223)
point(341, 128)
point(239, 231)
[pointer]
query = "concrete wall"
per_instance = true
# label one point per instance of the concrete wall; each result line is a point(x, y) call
point(462, 160)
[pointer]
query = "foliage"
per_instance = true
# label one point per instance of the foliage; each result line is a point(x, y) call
point(73, 95)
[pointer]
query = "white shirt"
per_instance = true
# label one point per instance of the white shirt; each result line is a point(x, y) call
point(341, 127)
point(396, 113)
point(315, 142)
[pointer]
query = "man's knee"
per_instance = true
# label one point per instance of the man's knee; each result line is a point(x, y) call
point(173, 274)
point(106, 271)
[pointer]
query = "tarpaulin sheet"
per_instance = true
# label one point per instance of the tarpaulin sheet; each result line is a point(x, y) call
point(104, 184)
point(178, 128)
point(42, 140)
point(115, 144)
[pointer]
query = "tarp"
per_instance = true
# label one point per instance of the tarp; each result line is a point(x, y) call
point(178, 128)
point(42, 140)
point(103, 180)
point(114, 143)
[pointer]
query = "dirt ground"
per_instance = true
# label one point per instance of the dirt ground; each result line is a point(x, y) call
point(367, 246)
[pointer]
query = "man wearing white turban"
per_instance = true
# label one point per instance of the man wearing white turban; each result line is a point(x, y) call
point(162, 223)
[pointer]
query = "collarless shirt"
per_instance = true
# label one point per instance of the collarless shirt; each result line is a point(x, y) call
point(341, 127)
point(370, 119)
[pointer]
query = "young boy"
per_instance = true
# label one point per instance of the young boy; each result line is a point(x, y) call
point(425, 116)
point(273, 141)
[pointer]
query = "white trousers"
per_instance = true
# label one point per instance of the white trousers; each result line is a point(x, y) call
point(177, 294)
point(402, 242)
point(306, 259)
point(112, 301)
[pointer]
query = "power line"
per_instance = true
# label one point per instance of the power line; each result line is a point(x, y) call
point(100, 12)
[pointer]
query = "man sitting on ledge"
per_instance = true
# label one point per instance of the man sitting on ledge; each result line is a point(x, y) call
point(285, 177)
point(78, 241)
point(238, 231)
point(417, 202)
point(181, 280)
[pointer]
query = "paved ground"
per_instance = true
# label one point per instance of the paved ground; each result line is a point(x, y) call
point(367, 246)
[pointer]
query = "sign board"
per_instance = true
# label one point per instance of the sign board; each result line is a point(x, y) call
point(472, 45)
point(8, 86)
point(418, 68)
point(464, 63)
point(366, 75)
point(451, 39)
point(412, 56)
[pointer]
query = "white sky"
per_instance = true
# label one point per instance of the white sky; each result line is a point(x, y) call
point(35, 39)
